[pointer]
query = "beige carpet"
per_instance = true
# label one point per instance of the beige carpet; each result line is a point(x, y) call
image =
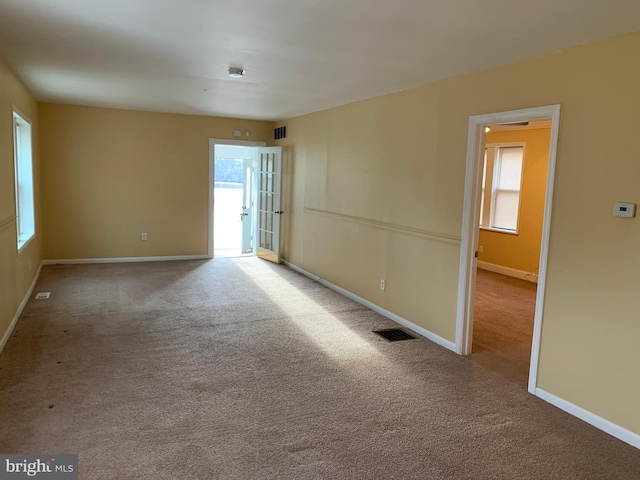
point(503, 324)
point(239, 369)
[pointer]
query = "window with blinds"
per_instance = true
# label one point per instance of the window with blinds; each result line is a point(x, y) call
point(501, 183)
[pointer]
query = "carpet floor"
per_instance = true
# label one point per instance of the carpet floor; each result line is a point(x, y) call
point(503, 324)
point(235, 368)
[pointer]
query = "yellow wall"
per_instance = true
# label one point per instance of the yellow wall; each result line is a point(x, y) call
point(522, 251)
point(109, 175)
point(17, 272)
point(376, 190)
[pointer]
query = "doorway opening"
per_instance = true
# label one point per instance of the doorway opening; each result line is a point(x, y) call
point(507, 215)
point(510, 229)
point(233, 200)
point(245, 182)
point(230, 185)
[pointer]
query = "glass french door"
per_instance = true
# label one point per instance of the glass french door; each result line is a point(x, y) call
point(269, 184)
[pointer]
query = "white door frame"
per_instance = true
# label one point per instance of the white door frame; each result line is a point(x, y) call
point(470, 222)
point(212, 157)
point(248, 204)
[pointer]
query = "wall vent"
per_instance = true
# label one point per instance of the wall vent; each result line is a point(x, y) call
point(280, 133)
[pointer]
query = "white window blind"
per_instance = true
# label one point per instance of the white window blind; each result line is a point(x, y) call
point(501, 183)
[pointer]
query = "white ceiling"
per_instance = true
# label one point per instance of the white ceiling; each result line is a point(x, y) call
point(300, 56)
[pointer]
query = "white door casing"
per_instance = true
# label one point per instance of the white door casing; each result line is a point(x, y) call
point(471, 218)
point(247, 213)
point(212, 156)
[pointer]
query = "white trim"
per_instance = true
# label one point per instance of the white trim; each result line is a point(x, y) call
point(443, 342)
point(18, 314)
point(498, 230)
point(600, 423)
point(544, 250)
point(470, 222)
point(212, 158)
point(237, 143)
point(75, 261)
point(469, 236)
point(510, 272)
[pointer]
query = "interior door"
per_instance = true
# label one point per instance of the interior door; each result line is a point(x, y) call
point(269, 183)
point(247, 207)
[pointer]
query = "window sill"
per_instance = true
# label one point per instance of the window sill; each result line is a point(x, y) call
point(498, 230)
point(23, 242)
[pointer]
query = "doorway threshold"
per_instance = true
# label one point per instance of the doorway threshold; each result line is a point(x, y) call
point(230, 254)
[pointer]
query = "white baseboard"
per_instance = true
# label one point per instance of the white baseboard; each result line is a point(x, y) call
point(600, 423)
point(74, 261)
point(443, 342)
point(511, 272)
point(18, 314)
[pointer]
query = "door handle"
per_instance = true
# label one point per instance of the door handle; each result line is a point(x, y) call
point(278, 212)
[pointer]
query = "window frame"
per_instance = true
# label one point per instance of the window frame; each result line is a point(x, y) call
point(23, 239)
point(492, 195)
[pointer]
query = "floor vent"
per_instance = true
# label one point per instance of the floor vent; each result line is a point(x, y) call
point(42, 295)
point(394, 334)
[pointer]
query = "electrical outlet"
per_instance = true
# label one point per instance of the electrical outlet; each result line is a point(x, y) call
point(480, 249)
point(382, 284)
point(143, 236)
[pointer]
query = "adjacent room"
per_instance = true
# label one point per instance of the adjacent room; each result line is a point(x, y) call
point(514, 185)
point(294, 239)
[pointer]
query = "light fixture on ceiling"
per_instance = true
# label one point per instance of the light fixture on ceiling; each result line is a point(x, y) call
point(236, 72)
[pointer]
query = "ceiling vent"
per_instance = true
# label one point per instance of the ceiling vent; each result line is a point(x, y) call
point(280, 133)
